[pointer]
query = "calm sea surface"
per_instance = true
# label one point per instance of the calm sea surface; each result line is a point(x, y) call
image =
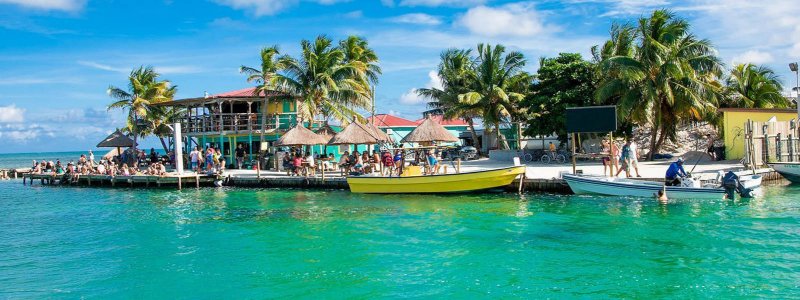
point(68, 242)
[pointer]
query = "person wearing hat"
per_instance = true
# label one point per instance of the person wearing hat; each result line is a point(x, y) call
point(674, 173)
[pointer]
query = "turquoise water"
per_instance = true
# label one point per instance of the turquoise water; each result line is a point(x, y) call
point(68, 242)
point(25, 160)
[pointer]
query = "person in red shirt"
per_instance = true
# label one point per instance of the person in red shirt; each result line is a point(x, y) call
point(297, 163)
point(388, 163)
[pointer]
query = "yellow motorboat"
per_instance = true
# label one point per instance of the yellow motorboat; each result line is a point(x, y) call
point(443, 183)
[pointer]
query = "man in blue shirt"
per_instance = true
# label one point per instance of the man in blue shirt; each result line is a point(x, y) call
point(674, 173)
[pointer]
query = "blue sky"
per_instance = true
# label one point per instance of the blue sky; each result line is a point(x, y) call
point(57, 57)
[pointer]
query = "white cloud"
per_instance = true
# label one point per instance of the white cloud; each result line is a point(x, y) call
point(62, 5)
point(516, 19)
point(11, 114)
point(179, 69)
point(417, 18)
point(389, 3)
point(411, 96)
point(103, 67)
point(356, 14)
point(23, 133)
point(259, 7)
point(753, 57)
point(434, 3)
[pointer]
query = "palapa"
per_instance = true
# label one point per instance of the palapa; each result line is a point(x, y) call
point(355, 134)
point(382, 136)
point(326, 132)
point(429, 131)
point(300, 136)
point(116, 140)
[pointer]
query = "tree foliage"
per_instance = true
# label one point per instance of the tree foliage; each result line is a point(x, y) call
point(561, 82)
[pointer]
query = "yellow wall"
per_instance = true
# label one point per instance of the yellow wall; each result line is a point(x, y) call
point(733, 123)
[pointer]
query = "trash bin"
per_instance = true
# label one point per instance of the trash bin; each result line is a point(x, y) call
point(719, 152)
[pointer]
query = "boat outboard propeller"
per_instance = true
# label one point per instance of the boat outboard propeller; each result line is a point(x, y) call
point(732, 185)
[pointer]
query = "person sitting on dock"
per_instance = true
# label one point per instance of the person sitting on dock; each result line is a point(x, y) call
point(675, 173)
point(297, 164)
point(345, 163)
point(358, 163)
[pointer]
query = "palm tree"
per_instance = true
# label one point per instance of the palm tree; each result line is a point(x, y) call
point(144, 89)
point(358, 53)
point(754, 86)
point(453, 71)
point(497, 84)
point(262, 76)
point(323, 81)
point(666, 76)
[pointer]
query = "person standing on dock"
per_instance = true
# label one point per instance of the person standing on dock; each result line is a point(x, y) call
point(91, 159)
point(633, 159)
point(240, 153)
point(194, 156)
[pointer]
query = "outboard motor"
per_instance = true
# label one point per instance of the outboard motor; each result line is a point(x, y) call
point(731, 184)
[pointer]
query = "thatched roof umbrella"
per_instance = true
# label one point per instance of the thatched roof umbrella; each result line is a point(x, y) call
point(382, 136)
point(354, 134)
point(116, 140)
point(326, 132)
point(300, 136)
point(429, 131)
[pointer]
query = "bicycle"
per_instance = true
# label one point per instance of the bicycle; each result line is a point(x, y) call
point(524, 157)
point(554, 156)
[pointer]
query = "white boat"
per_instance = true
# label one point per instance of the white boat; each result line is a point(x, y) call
point(614, 186)
point(789, 170)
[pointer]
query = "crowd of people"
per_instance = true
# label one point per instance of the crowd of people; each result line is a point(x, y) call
point(624, 158)
point(209, 160)
point(387, 163)
point(116, 166)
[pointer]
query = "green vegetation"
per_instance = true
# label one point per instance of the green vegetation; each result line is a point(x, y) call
point(145, 89)
point(332, 81)
point(561, 82)
point(490, 85)
point(754, 86)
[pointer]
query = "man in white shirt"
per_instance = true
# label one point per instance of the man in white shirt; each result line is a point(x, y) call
point(194, 157)
point(633, 161)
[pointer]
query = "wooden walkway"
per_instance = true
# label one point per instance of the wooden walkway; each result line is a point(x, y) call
point(551, 185)
point(172, 180)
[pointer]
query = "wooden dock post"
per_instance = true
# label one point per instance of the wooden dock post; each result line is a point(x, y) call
point(179, 182)
point(196, 180)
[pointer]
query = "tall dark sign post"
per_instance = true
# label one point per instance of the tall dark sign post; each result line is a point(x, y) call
point(591, 119)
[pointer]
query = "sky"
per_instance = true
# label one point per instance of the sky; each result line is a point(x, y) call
point(58, 57)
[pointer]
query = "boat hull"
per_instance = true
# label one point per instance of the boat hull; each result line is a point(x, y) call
point(790, 171)
point(643, 189)
point(445, 183)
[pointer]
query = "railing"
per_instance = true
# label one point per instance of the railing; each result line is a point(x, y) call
point(237, 123)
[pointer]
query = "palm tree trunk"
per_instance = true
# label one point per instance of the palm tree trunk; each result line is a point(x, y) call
point(503, 143)
point(653, 136)
point(163, 144)
point(476, 142)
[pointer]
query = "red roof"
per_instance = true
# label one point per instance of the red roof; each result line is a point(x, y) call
point(244, 93)
point(438, 119)
point(386, 120)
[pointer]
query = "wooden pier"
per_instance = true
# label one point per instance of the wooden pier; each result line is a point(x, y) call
point(172, 180)
point(546, 185)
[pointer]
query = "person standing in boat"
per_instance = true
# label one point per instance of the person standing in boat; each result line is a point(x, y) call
point(675, 173)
